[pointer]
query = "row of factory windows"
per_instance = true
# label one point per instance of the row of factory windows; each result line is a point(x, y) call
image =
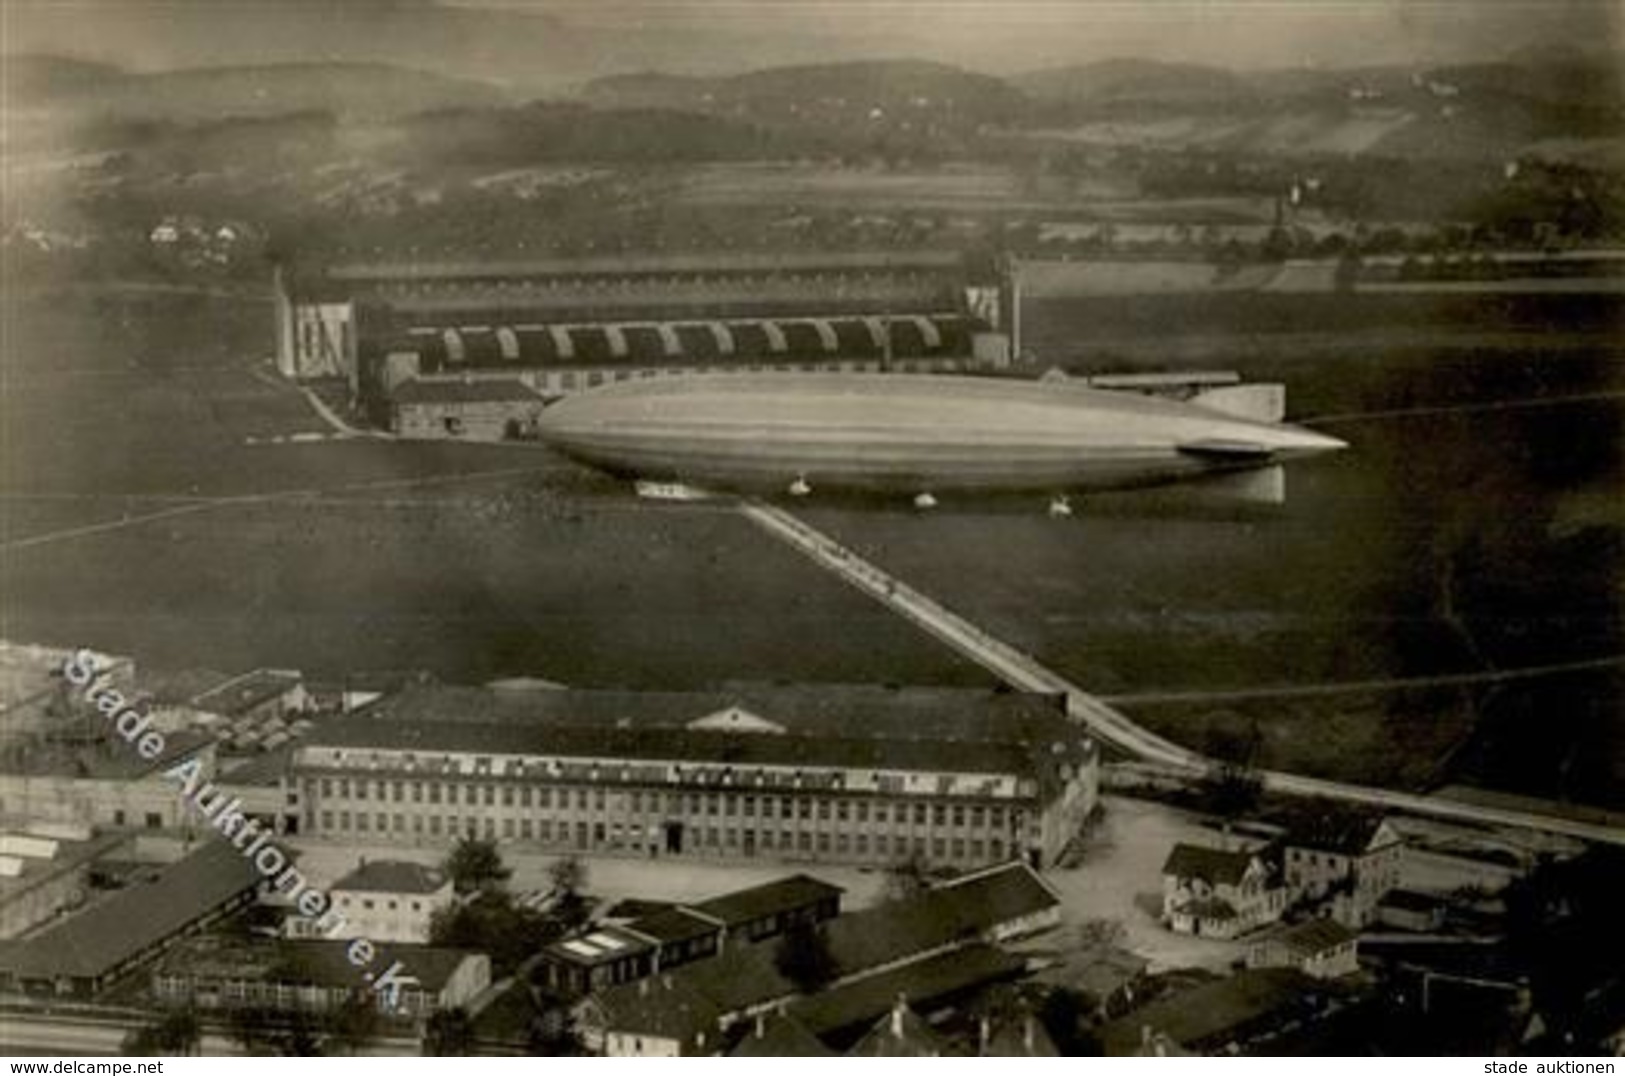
point(715, 840)
point(693, 804)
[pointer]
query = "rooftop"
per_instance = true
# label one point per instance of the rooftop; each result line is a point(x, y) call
point(780, 1035)
point(1211, 1013)
point(70, 856)
point(660, 1006)
point(1341, 832)
point(964, 731)
point(1216, 866)
point(773, 262)
point(900, 1033)
point(111, 931)
point(245, 692)
point(316, 962)
point(598, 946)
point(463, 391)
point(769, 899)
point(392, 876)
point(1311, 937)
point(100, 755)
point(954, 914)
point(925, 984)
point(671, 925)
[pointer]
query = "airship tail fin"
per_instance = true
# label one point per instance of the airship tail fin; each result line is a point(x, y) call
point(1263, 402)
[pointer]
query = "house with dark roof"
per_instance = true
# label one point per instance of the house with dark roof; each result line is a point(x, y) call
point(900, 1033)
point(1218, 892)
point(1347, 859)
point(87, 952)
point(778, 1034)
point(391, 900)
point(659, 1016)
point(1223, 1015)
point(1016, 1035)
point(1321, 948)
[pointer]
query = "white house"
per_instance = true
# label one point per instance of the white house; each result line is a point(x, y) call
point(391, 900)
point(1217, 892)
point(1352, 861)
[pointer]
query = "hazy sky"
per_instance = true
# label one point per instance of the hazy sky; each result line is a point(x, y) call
point(558, 37)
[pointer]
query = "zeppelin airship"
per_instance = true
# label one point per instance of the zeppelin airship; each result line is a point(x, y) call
point(920, 436)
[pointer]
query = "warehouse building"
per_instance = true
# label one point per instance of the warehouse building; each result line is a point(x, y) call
point(840, 774)
point(85, 953)
point(221, 973)
point(565, 325)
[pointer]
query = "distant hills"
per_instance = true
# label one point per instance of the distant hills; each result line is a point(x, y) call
point(208, 93)
point(1566, 102)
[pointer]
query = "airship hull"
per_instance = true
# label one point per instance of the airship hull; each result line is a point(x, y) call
point(904, 434)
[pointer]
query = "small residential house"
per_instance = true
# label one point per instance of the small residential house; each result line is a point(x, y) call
point(390, 900)
point(1320, 948)
point(655, 1017)
point(1218, 892)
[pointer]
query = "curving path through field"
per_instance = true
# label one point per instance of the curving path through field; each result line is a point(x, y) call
point(1027, 673)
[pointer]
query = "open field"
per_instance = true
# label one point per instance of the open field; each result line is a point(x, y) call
point(1446, 540)
point(1469, 528)
point(473, 561)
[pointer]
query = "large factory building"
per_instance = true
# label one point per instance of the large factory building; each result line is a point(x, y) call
point(861, 775)
point(561, 326)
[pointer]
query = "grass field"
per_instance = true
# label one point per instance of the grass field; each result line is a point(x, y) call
point(136, 519)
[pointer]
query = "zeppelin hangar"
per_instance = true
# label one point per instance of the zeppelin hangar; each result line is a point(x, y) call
point(476, 349)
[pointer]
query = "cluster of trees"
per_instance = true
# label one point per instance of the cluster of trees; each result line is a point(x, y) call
point(488, 919)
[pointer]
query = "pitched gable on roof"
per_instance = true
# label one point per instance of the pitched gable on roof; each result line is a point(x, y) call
point(659, 1007)
point(1341, 832)
point(779, 1035)
point(900, 1033)
point(1216, 866)
point(736, 719)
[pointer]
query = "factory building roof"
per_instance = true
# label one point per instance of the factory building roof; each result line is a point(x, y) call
point(113, 930)
point(699, 264)
point(963, 731)
point(243, 693)
point(770, 899)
